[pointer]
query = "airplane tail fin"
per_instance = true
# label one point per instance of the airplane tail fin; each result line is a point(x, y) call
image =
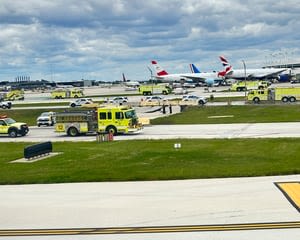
point(224, 61)
point(158, 69)
point(226, 65)
point(124, 78)
point(194, 69)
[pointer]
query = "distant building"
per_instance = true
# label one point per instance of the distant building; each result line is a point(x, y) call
point(27, 84)
point(294, 65)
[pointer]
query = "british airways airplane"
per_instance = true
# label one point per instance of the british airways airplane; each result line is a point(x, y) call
point(251, 73)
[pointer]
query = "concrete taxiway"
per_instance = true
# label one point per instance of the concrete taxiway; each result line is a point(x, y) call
point(249, 206)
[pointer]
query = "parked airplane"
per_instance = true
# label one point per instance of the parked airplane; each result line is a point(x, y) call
point(164, 76)
point(196, 75)
point(211, 78)
point(129, 83)
point(251, 73)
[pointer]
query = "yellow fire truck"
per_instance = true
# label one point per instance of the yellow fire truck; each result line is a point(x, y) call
point(67, 93)
point(104, 119)
point(12, 95)
point(284, 94)
point(155, 89)
point(248, 85)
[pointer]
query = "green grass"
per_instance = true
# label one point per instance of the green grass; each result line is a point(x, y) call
point(152, 160)
point(46, 104)
point(196, 115)
point(28, 116)
point(226, 99)
point(241, 114)
point(114, 95)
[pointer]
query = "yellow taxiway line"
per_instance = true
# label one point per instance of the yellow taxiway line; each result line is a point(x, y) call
point(154, 229)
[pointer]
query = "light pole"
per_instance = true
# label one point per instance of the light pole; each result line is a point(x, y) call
point(244, 64)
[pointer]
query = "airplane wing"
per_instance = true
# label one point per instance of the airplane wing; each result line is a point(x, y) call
point(194, 76)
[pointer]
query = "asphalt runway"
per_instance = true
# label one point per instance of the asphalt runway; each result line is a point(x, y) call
point(205, 131)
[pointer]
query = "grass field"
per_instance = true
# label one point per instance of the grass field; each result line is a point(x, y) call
point(235, 114)
point(66, 104)
point(152, 160)
point(197, 115)
point(28, 116)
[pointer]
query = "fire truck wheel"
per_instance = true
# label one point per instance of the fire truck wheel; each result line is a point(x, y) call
point(73, 132)
point(111, 129)
point(256, 100)
point(292, 99)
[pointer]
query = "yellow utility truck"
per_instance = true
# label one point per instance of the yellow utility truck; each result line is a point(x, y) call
point(103, 119)
point(67, 93)
point(12, 128)
point(248, 85)
point(155, 89)
point(12, 95)
point(284, 94)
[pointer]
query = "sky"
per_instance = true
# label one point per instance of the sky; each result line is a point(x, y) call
point(63, 40)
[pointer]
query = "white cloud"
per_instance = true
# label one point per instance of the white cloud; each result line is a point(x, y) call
point(107, 38)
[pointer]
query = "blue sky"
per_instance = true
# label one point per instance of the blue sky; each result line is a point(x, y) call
point(64, 40)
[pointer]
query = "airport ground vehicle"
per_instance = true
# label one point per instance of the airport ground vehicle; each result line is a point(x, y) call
point(284, 94)
point(188, 85)
point(12, 128)
point(117, 100)
point(67, 93)
point(248, 85)
point(152, 101)
point(193, 98)
point(12, 95)
point(46, 118)
point(155, 89)
point(5, 104)
point(179, 91)
point(80, 102)
point(103, 119)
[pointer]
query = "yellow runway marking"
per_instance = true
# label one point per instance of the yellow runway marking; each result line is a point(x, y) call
point(291, 190)
point(154, 229)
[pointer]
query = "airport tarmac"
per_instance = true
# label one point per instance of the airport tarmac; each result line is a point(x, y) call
point(35, 97)
point(211, 204)
point(202, 207)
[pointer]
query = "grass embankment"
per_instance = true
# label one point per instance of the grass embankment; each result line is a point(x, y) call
point(46, 104)
point(196, 115)
point(234, 114)
point(152, 160)
point(226, 99)
point(28, 116)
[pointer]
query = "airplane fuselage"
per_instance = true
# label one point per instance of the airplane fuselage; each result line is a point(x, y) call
point(254, 73)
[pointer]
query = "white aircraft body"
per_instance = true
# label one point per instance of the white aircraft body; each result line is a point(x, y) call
point(164, 76)
point(210, 78)
point(252, 73)
point(196, 75)
point(130, 84)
